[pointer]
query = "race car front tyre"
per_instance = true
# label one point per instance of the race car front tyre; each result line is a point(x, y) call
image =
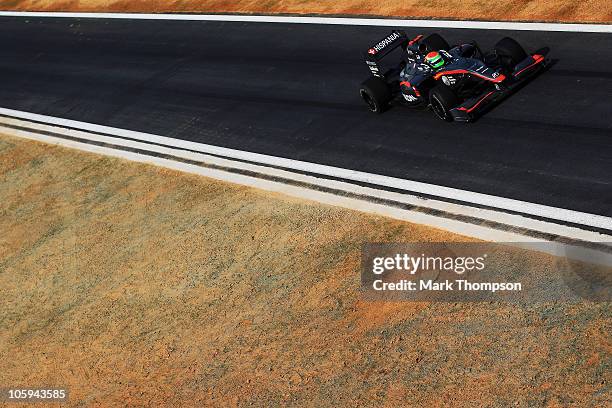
point(435, 42)
point(376, 94)
point(510, 52)
point(442, 99)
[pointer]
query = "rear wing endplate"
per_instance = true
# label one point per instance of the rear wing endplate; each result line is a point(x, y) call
point(383, 47)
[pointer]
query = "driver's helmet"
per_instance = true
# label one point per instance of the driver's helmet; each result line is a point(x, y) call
point(435, 60)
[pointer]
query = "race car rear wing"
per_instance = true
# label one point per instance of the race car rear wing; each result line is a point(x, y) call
point(383, 47)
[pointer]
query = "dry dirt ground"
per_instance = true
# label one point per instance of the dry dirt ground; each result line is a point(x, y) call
point(538, 10)
point(134, 285)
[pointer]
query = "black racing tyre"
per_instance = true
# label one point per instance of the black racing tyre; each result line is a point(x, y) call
point(442, 99)
point(435, 42)
point(510, 52)
point(376, 94)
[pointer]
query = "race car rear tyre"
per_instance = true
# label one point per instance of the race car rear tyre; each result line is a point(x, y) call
point(442, 99)
point(376, 94)
point(510, 52)
point(435, 42)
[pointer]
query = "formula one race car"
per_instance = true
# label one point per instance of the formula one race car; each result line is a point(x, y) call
point(456, 82)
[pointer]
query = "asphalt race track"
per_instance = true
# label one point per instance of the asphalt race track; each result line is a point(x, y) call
point(291, 90)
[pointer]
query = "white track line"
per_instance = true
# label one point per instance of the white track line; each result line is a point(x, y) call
point(384, 22)
point(327, 198)
point(522, 207)
point(513, 220)
point(455, 226)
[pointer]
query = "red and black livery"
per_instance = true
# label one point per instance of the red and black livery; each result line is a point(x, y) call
point(463, 86)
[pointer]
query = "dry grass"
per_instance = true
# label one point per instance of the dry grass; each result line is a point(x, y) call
point(549, 10)
point(134, 285)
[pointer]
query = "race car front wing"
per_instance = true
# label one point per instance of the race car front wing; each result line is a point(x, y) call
point(523, 72)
